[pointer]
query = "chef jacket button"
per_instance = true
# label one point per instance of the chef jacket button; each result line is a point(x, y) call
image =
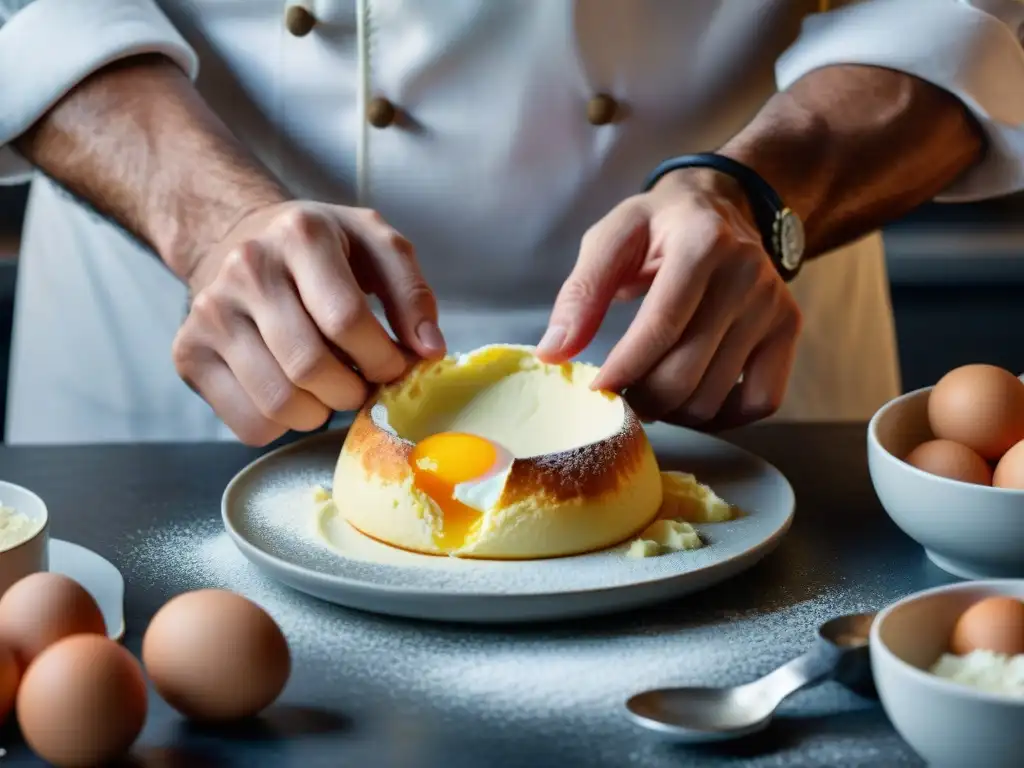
point(380, 112)
point(299, 20)
point(601, 109)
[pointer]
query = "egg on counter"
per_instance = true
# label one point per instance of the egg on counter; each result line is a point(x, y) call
point(994, 624)
point(214, 655)
point(41, 609)
point(979, 406)
point(82, 702)
point(953, 460)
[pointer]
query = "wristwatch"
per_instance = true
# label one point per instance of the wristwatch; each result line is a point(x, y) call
point(782, 232)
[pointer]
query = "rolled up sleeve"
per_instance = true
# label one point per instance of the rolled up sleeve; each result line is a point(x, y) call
point(47, 47)
point(970, 48)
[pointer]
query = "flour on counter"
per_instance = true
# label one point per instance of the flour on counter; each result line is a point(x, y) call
point(514, 668)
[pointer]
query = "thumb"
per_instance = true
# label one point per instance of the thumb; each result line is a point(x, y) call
point(611, 255)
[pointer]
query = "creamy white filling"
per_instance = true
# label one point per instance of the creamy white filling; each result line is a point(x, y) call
point(379, 416)
point(502, 393)
point(684, 498)
point(664, 536)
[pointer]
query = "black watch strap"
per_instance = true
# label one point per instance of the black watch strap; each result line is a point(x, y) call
point(781, 230)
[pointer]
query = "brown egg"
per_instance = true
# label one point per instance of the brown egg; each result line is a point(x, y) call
point(213, 655)
point(980, 406)
point(948, 459)
point(1010, 469)
point(994, 624)
point(40, 609)
point(10, 676)
point(82, 702)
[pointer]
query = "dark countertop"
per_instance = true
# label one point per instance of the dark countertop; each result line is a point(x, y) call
point(373, 691)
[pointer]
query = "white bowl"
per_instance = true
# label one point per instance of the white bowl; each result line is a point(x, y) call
point(29, 555)
point(947, 723)
point(971, 531)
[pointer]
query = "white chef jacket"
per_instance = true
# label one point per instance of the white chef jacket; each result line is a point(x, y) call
point(494, 172)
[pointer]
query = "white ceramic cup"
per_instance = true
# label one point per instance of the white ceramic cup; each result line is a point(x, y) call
point(947, 723)
point(30, 555)
point(972, 531)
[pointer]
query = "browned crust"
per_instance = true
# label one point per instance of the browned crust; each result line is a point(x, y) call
point(589, 472)
point(381, 453)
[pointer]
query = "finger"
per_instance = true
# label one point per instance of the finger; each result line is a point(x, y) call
point(728, 362)
point(632, 291)
point(265, 383)
point(611, 253)
point(675, 377)
point(212, 380)
point(763, 388)
point(301, 352)
point(409, 304)
point(640, 283)
point(316, 252)
point(670, 304)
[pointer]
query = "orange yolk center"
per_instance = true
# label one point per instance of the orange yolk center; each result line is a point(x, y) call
point(439, 463)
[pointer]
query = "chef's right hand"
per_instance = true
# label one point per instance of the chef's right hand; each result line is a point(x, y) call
point(279, 332)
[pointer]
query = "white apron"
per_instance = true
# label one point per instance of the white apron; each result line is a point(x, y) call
point(494, 175)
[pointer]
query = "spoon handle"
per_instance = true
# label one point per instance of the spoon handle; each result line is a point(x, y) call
point(815, 666)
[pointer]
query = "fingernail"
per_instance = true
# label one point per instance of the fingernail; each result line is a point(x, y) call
point(430, 336)
point(554, 339)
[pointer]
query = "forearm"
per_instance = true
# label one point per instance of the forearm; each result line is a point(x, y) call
point(137, 142)
point(852, 147)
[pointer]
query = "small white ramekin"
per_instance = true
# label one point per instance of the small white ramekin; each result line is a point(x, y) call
point(30, 555)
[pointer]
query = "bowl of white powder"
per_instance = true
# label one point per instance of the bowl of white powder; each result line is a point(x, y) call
point(954, 711)
point(24, 534)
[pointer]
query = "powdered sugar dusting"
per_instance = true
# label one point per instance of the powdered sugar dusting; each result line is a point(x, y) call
point(567, 683)
point(594, 458)
point(547, 694)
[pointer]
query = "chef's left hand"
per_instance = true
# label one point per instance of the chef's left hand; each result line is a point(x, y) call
point(715, 305)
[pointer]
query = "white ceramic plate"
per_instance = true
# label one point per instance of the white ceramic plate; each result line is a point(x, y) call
point(269, 512)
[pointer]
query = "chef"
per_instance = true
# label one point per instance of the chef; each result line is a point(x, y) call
point(245, 215)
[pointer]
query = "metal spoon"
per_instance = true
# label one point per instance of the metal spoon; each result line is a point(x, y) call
point(700, 715)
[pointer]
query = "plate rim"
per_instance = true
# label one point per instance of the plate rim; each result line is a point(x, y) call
point(255, 554)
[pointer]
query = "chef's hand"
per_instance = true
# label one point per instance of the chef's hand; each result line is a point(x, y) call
point(280, 334)
point(715, 306)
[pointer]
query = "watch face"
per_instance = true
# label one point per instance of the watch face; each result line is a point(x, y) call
point(791, 239)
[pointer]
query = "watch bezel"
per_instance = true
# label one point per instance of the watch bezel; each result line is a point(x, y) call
point(789, 240)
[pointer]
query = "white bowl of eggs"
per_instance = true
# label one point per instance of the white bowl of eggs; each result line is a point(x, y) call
point(947, 463)
point(948, 664)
